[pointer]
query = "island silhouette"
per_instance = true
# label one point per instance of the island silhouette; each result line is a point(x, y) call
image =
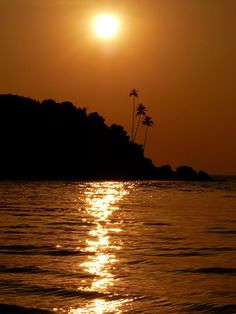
point(50, 140)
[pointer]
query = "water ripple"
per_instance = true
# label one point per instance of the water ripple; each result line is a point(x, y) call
point(211, 308)
point(39, 250)
point(16, 309)
point(210, 271)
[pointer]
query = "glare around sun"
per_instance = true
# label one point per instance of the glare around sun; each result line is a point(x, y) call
point(106, 26)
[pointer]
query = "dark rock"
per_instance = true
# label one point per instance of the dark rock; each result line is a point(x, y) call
point(189, 174)
point(203, 176)
point(165, 172)
point(186, 173)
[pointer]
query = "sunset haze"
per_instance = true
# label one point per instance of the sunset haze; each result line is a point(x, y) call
point(179, 55)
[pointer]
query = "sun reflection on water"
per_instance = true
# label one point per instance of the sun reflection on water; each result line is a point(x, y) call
point(100, 306)
point(101, 200)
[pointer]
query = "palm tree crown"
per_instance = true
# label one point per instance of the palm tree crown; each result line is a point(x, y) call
point(140, 111)
point(147, 121)
point(133, 93)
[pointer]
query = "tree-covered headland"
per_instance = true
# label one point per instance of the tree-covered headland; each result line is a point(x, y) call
point(50, 140)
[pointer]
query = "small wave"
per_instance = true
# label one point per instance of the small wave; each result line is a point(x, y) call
point(136, 262)
point(187, 251)
point(17, 226)
point(172, 239)
point(38, 250)
point(223, 294)
point(71, 223)
point(27, 289)
point(37, 270)
point(156, 224)
point(210, 270)
point(21, 226)
point(16, 309)
point(185, 254)
point(21, 215)
point(212, 308)
point(56, 252)
point(216, 249)
point(25, 270)
point(203, 251)
point(14, 232)
point(222, 231)
point(21, 247)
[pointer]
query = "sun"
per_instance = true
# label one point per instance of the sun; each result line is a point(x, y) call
point(106, 26)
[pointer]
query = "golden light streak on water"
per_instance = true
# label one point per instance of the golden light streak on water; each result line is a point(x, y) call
point(100, 306)
point(101, 204)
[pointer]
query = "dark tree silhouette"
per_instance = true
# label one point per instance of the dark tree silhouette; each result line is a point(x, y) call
point(51, 140)
point(58, 140)
point(133, 93)
point(147, 122)
point(140, 111)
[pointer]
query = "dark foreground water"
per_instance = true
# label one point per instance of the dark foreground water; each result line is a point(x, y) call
point(112, 247)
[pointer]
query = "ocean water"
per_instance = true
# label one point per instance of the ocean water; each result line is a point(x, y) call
point(118, 247)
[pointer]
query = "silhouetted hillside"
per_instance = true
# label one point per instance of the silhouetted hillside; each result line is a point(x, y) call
point(49, 140)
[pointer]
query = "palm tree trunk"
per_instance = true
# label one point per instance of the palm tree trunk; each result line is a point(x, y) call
point(145, 139)
point(132, 138)
point(136, 131)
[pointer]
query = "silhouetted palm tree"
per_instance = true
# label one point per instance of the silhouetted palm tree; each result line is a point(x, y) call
point(133, 93)
point(140, 111)
point(147, 121)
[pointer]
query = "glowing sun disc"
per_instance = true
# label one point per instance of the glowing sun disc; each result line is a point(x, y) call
point(106, 26)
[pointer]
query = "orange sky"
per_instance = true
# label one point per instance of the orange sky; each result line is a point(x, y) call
point(180, 55)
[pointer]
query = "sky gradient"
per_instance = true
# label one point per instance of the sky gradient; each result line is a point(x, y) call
point(180, 55)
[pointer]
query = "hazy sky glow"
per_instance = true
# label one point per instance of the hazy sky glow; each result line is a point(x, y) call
point(180, 55)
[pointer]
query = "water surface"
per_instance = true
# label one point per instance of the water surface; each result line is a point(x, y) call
point(118, 247)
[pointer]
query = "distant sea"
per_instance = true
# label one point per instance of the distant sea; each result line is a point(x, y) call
point(118, 247)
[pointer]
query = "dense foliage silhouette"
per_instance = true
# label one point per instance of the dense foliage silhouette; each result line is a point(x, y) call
point(50, 140)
